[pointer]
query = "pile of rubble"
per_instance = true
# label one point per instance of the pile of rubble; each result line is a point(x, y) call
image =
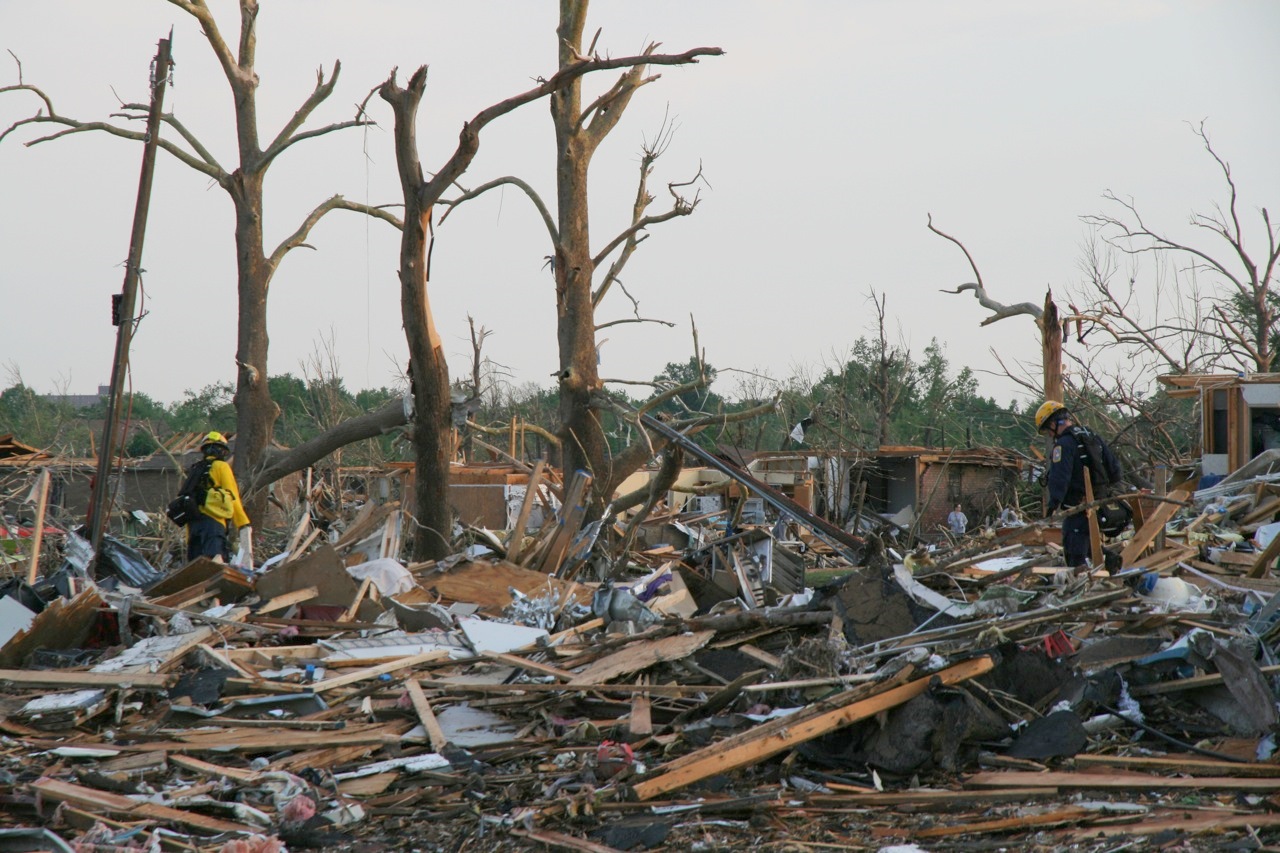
point(717, 692)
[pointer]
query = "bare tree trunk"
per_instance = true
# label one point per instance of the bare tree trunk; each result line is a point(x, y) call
point(428, 368)
point(582, 439)
point(256, 412)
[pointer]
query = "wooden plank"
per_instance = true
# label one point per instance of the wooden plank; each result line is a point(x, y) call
point(78, 795)
point(1263, 512)
point(1265, 560)
point(381, 669)
point(756, 653)
point(1181, 764)
point(37, 533)
point(1006, 824)
point(1095, 533)
point(67, 678)
point(561, 841)
point(524, 663)
point(454, 687)
point(1182, 824)
point(355, 602)
point(751, 749)
point(1122, 780)
point(1154, 525)
point(428, 716)
point(516, 538)
point(572, 511)
point(241, 740)
point(280, 602)
point(217, 771)
point(1191, 683)
point(642, 655)
point(640, 720)
point(218, 659)
point(847, 795)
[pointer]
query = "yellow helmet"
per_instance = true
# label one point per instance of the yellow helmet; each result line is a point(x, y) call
point(215, 438)
point(1045, 413)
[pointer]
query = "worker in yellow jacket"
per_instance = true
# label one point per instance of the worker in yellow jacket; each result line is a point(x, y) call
point(207, 534)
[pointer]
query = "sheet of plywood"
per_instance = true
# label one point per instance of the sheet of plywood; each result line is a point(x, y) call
point(488, 584)
point(643, 654)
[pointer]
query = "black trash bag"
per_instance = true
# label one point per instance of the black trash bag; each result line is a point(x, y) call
point(1114, 517)
point(127, 564)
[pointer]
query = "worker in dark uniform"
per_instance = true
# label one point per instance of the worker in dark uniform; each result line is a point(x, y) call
point(1066, 475)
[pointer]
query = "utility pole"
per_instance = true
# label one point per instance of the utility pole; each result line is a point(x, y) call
point(123, 304)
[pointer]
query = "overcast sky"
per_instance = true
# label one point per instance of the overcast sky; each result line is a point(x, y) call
point(827, 133)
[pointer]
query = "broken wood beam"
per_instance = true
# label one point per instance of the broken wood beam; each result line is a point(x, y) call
point(426, 715)
point(526, 508)
point(381, 669)
point(65, 678)
point(764, 742)
point(1122, 780)
point(1155, 524)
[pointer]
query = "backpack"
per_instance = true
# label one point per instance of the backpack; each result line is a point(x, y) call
point(1104, 468)
point(1107, 478)
point(185, 508)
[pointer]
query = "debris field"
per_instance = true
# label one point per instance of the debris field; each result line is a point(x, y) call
point(758, 678)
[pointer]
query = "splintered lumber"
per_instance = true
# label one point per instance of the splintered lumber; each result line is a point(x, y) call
point(37, 533)
point(642, 655)
point(1183, 824)
point(561, 841)
point(102, 801)
point(1263, 512)
point(572, 513)
point(240, 740)
point(381, 669)
point(526, 507)
point(1139, 781)
point(1266, 559)
point(1152, 528)
point(280, 602)
point(1180, 764)
point(1008, 824)
point(1191, 683)
point(63, 678)
point(764, 741)
point(426, 715)
point(1095, 532)
point(206, 768)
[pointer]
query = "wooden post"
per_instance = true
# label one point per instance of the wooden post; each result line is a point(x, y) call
point(1162, 489)
point(522, 520)
point(38, 534)
point(1095, 534)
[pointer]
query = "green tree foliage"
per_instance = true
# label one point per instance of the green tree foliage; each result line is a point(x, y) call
point(209, 408)
point(40, 422)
